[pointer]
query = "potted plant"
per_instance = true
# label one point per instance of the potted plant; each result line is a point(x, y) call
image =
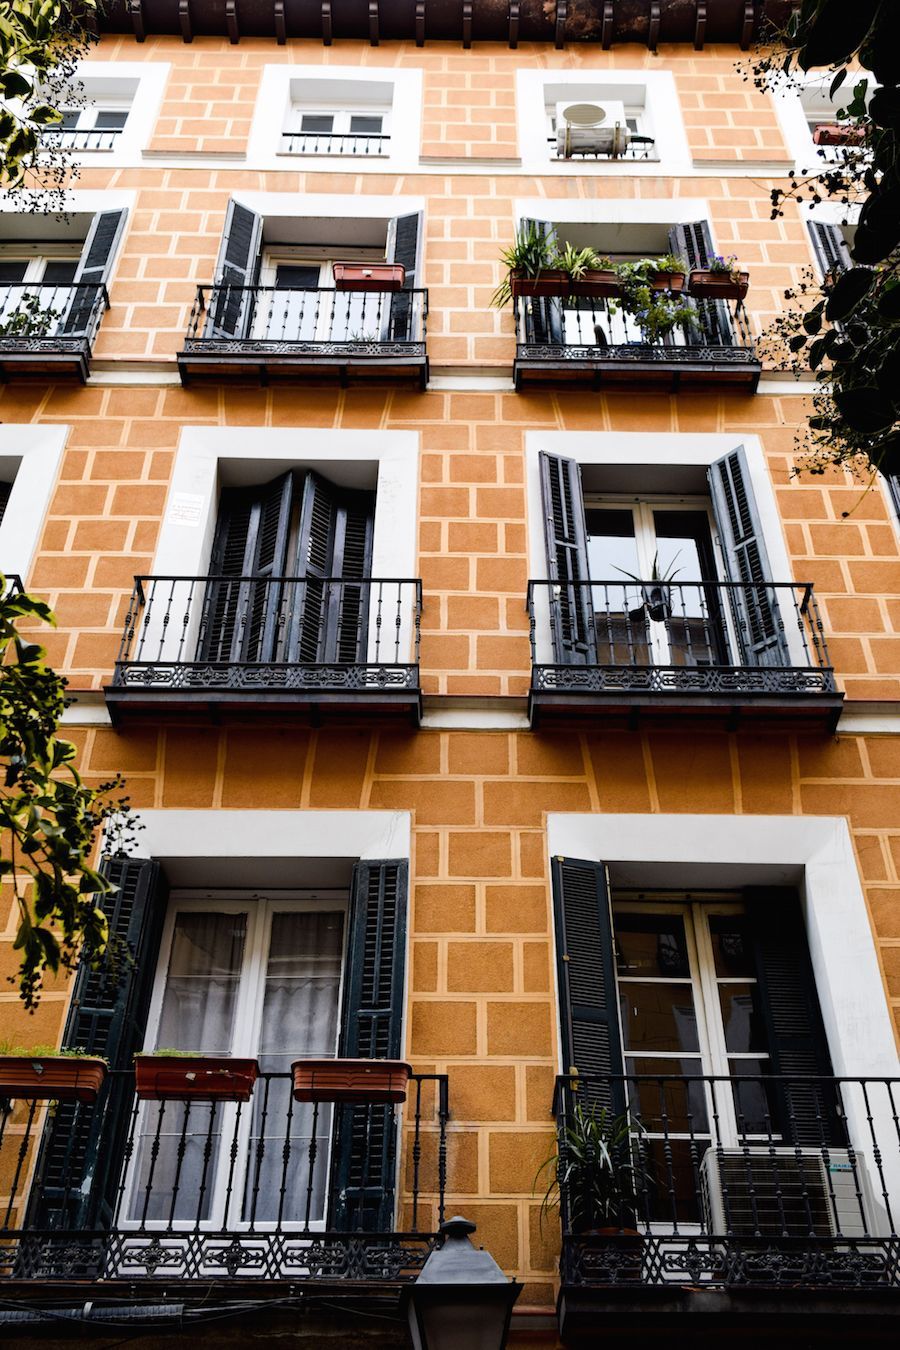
point(350, 1080)
point(838, 133)
point(597, 1183)
point(43, 1073)
point(531, 268)
point(365, 276)
point(658, 310)
point(187, 1075)
point(588, 274)
point(721, 279)
point(669, 273)
point(656, 590)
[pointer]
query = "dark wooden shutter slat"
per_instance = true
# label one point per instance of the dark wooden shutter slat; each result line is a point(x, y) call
point(754, 606)
point(571, 604)
point(694, 243)
point(830, 248)
point(589, 1005)
point(404, 246)
point(82, 1150)
point(335, 540)
point(543, 314)
point(237, 268)
point(94, 267)
point(5, 490)
point(806, 1113)
point(365, 1142)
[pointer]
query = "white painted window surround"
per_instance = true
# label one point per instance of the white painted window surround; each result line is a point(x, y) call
point(646, 462)
point(798, 109)
point(654, 91)
point(283, 87)
point(136, 85)
point(30, 457)
point(815, 854)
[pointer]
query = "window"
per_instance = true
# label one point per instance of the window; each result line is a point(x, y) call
point(594, 126)
point(91, 128)
point(257, 978)
point(298, 275)
point(341, 132)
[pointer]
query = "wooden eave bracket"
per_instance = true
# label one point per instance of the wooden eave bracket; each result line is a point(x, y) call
point(653, 30)
point(561, 8)
point(327, 33)
point(749, 24)
point(467, 23)
point(231, 19)
point(700, 26)
point(280, 23)
point(606, 25)
point(184, 19)
point(136, 10)
point(513, 23)
point(420, 23)
point(373, 23)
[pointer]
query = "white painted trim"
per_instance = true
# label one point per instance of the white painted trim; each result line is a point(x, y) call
point(653, 449)
point(658, 94)
point(181, 835)
point(805, 154)
point(78, 201)
point(151, 78)
point(614, 210)
point(403, 95)
point(290, 205)
point(33, 454)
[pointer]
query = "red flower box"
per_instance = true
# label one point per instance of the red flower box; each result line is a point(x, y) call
point(351, 276)
point(60, 1078)
point(837, 133)
point(551, 281)
point(720, 285)
point(178, 1078)
point(602, 283)
point(364, 1081)
point(668, 281)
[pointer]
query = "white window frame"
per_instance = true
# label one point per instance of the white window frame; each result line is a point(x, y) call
point(137, 86)
point(260, 910)
point(283, 90)
point(652, 94)
point(341, 118)
point(794, 117)
point(30, 457)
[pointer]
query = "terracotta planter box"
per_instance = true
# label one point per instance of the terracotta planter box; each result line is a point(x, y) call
point(54, 1078)
point(720, 285)
point(836, 133)
point(600, 284)
point(668, 281)
point(552, 281)
point(159, 1078)
point(350, 276)
point(350, 1080)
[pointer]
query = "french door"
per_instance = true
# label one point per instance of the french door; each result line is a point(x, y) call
point(303, 306)
point(258, 977)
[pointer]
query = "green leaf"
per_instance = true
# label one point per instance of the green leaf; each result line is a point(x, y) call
point(812, 322)
point(850, 288)
point(865, 409)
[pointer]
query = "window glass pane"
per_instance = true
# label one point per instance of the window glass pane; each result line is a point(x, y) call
point(111, 119)
point(658, 1016)
point(666, 1098)
point(202, 983)
point(684, 545)
point(754, 1107)
point(732, 952)
point(364, 125)
point(303, 276)
point(740, 1017)
point(61, 272)
point(317, 122)
point(13, 271)
point(651, 945)
point(69, 121)
point(612, 548)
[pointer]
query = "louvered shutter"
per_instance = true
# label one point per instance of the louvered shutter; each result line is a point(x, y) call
point(365, 1137)
point(94, 267)
point(236, 270)
point(329, 622)
point(754, 607)
point(5, 490)
point(571, 603)
point(589, 1006)
point(404, 245)
point(806, 1112)
point(83, 1146)
point(242, 618)
point(829, 247)
point(543, 313)
point(694, 243)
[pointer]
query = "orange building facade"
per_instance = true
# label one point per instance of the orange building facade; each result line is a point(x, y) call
point(630, 811)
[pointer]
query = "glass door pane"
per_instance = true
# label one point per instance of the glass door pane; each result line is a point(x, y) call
point(690, 610)
point(294, 307)
point(613, 560)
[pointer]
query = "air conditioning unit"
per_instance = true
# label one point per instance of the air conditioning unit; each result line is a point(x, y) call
point(592, 129)
point(773, 1191)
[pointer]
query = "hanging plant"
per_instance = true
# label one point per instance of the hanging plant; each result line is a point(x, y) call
point(657, 311)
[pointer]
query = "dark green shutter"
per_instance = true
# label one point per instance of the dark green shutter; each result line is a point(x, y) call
point(329, 623)
point(830, 248)
point(588, 996)
point(83, 1147)
point(694, 244)
point(241, 619)
point(571, 604)
point(365, 1139)
point(543, 313)
point(806, 1113)
point(754, 606)
point(5, 490)
point(404, 246)
point(236, 270)
point(94, 267)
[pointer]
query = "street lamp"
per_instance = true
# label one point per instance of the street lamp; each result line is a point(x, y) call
point(461, 1300)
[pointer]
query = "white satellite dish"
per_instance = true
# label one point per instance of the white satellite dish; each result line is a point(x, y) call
point(584, 114)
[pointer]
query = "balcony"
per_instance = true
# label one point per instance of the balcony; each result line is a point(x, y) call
point(364, 146)
point(238, 1195)
point(591, 341)
point(273, 333)
point(269, 645)
point(751, 1203)
point(73, 139)
point(49, 330)
point(642, 650)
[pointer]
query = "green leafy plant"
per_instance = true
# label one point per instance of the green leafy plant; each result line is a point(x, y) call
point(50, 819)
point(723, 265)
point(530, 255)
point(29, 318)
point(165, 1053)
point(10, 1050)
point(671, 262)
point(597, 1170)
point(657, 312)
point(576, 261)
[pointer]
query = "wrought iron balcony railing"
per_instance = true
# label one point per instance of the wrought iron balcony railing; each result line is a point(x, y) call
point(45, 325)
point(71, 138)
point(600, 338)
point(334, 143)
point(272, 1189)
point(255, 637)
point(791, 1182)
point(704, 639)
